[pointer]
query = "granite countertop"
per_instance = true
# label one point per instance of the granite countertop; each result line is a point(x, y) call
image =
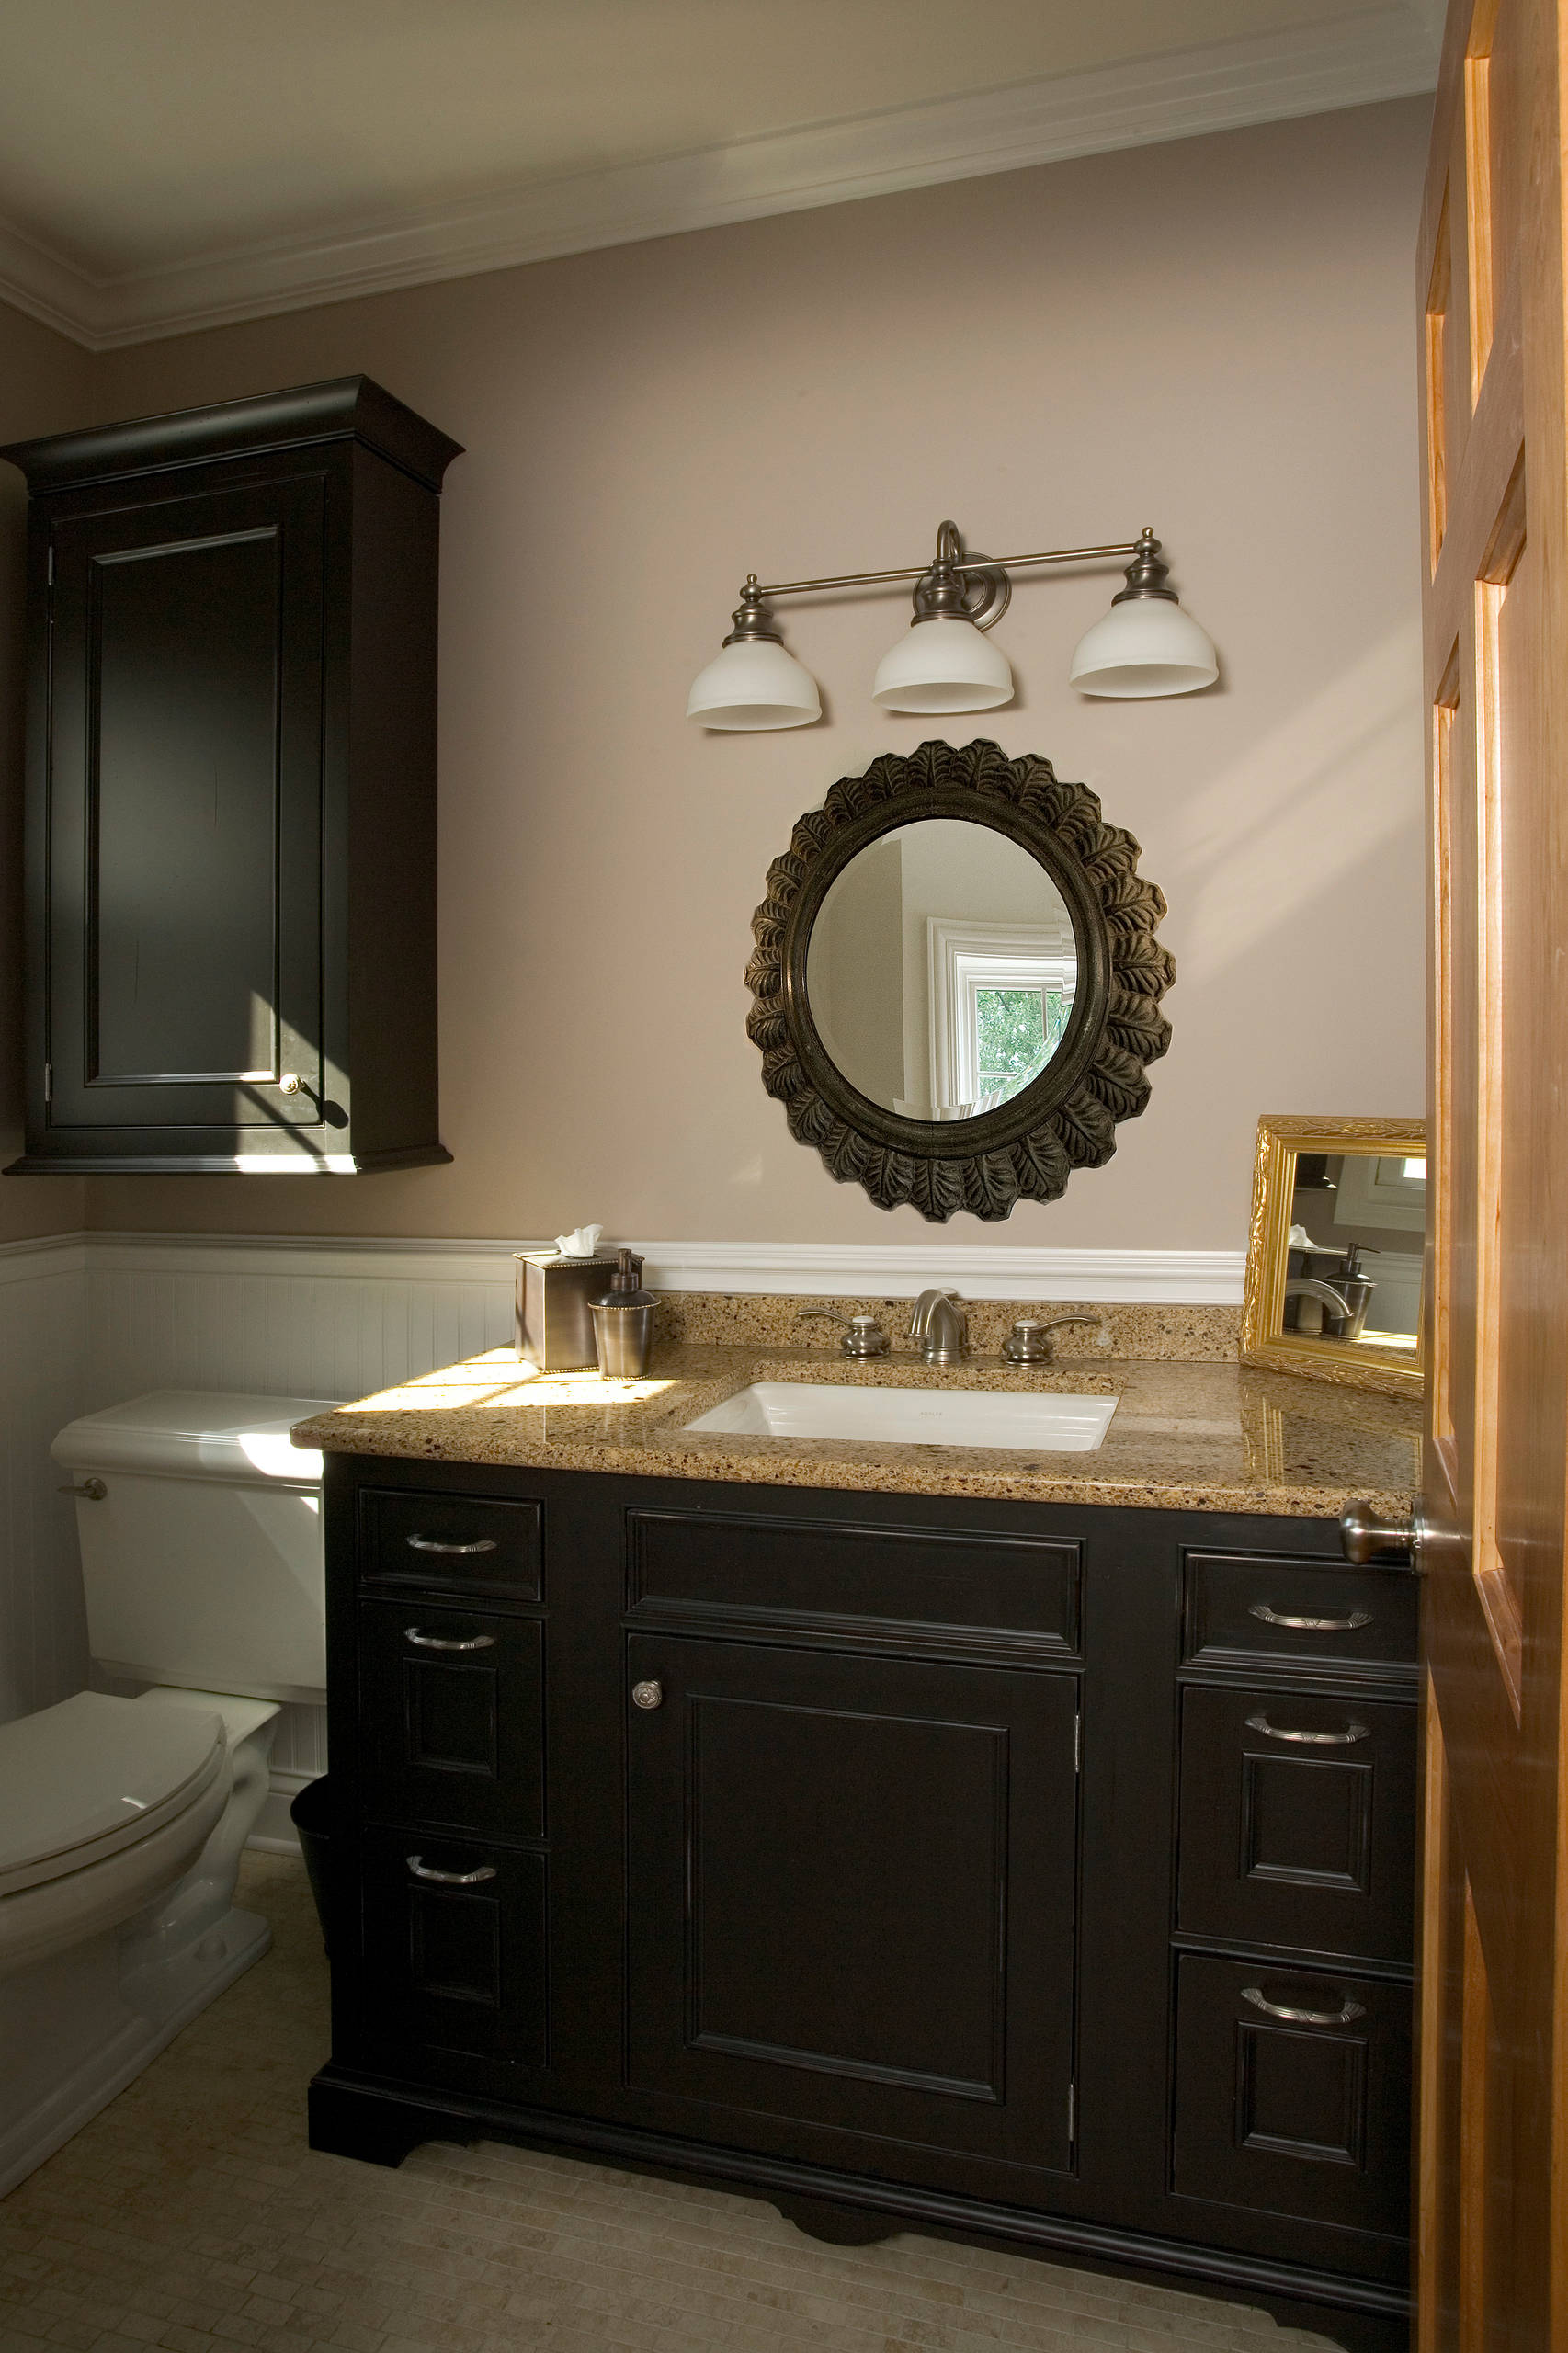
point(1186, 1436)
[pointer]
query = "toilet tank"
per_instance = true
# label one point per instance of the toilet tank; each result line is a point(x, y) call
point(202, 1558)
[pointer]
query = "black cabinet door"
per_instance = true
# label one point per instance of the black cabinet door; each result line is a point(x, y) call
point(452, 1718)
point(1292, 2093)
point(455, 1939)
point(851, 1892)
point(183, 932)
point(1295, 1814)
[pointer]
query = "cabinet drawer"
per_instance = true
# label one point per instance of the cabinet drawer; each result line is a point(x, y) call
point(1296, 1821)
point(815, 1570)
point(1292, 2093)
point(452, 1716)
point(470, 1542)
point(455, 1936)
point(1324, 1614)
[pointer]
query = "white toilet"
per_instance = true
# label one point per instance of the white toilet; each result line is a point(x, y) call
point(122, 1820)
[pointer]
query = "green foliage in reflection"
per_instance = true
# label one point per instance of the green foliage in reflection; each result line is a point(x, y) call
point(1017, 1031)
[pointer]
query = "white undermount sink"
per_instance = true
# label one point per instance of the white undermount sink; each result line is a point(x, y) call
point(1052, 1423)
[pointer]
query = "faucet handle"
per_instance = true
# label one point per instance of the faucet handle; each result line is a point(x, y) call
point(863, 1336)
point(1030, 1341)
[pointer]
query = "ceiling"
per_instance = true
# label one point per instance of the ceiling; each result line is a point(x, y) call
point(170, 163)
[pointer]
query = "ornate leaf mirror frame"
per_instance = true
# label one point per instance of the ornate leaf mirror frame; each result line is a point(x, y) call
point(1328, 1278)
point(1066, 1118)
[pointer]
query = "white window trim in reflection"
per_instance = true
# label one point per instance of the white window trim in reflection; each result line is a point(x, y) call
point(1375, 1190)
point(962, 959)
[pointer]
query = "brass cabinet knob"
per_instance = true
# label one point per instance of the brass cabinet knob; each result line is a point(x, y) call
point(648, 1695)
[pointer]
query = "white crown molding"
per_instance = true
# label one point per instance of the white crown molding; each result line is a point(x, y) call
point(1174, 1278)
point(1386, 52)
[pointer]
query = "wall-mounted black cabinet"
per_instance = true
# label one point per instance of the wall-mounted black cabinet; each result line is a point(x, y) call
point(231, 877)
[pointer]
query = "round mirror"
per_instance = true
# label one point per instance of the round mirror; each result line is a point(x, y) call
point(956, 982)
point(941, 969)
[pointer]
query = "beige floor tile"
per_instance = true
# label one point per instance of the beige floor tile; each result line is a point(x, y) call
point(192, 2218)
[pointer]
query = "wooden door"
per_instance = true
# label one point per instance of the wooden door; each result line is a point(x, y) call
point(1494, 1989)
point(852, 1894)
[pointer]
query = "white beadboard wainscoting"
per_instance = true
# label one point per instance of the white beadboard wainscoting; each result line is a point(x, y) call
point(43, 1355)
point(87, 1320)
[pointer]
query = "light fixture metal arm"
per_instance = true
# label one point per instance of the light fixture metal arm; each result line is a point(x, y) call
point(963, 564)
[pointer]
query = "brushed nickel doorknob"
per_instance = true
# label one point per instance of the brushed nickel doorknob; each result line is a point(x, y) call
point(1367, 1534)
point(648, 1695)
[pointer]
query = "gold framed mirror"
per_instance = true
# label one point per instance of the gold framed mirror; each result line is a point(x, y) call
point(1334, 1251)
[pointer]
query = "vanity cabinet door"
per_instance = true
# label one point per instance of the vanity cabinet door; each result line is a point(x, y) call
point(1292, 2093)
point(457, 1933)
point(1295, 1814)
point(851, 1897)
point(452, 1718)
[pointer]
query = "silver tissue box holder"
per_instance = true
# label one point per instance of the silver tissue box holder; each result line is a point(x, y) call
point(555, 1322)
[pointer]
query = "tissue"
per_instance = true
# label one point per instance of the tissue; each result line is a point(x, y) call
point(582, 1242)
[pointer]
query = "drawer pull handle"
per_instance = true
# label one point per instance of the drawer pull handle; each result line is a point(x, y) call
point(1341, 2016)
point(434, 1544)
point(447, 1642)
point(1353, 1732)
point(1309, 1625)
point(422, 1869)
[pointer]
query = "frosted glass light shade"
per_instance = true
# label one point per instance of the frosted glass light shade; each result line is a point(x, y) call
point(751, 684)
point(1147, 646)
point(943, 664)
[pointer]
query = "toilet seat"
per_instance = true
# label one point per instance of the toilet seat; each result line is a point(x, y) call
point(96, 1775)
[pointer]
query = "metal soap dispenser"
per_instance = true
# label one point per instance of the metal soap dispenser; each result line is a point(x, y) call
point(623, 1322)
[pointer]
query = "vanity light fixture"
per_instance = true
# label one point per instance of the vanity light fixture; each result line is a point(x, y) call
point(1146, 645)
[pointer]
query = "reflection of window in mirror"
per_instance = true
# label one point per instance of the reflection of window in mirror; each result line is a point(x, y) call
point(1000, 995)
point(942, 970)
point(1353, 1265)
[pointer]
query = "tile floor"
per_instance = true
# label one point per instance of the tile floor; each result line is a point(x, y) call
point(190, 2215)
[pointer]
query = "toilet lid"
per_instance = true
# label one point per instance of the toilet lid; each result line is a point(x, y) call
point(81, 1779)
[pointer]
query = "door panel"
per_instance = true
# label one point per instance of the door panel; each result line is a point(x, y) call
point(1494, 2120)
point(453, 1704)
point(852, 1892)
point(456, 1933)
point(185, 879)
point(1295, 1821)
point(1292, 2093)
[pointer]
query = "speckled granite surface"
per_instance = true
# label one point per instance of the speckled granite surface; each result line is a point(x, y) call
point(1186, 1435)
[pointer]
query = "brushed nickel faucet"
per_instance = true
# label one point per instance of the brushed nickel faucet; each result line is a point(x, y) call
point(940, 1327)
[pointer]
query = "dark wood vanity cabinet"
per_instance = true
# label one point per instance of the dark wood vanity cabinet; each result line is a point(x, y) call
point(1042, 1875)
point(231, 788)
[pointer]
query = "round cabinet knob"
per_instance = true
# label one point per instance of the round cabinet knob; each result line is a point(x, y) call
point(289, 1083)
point(647, 1695)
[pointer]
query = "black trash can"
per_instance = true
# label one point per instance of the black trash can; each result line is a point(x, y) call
point(311, 1814)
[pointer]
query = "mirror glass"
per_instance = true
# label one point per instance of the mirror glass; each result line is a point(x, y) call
point(1353, 1258)
point(941, 969)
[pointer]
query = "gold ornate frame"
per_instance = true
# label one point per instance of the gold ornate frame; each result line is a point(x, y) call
point(1279, 1139)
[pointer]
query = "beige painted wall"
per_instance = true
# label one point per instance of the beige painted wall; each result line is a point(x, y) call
point(1213, 336)
point(47, 384)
